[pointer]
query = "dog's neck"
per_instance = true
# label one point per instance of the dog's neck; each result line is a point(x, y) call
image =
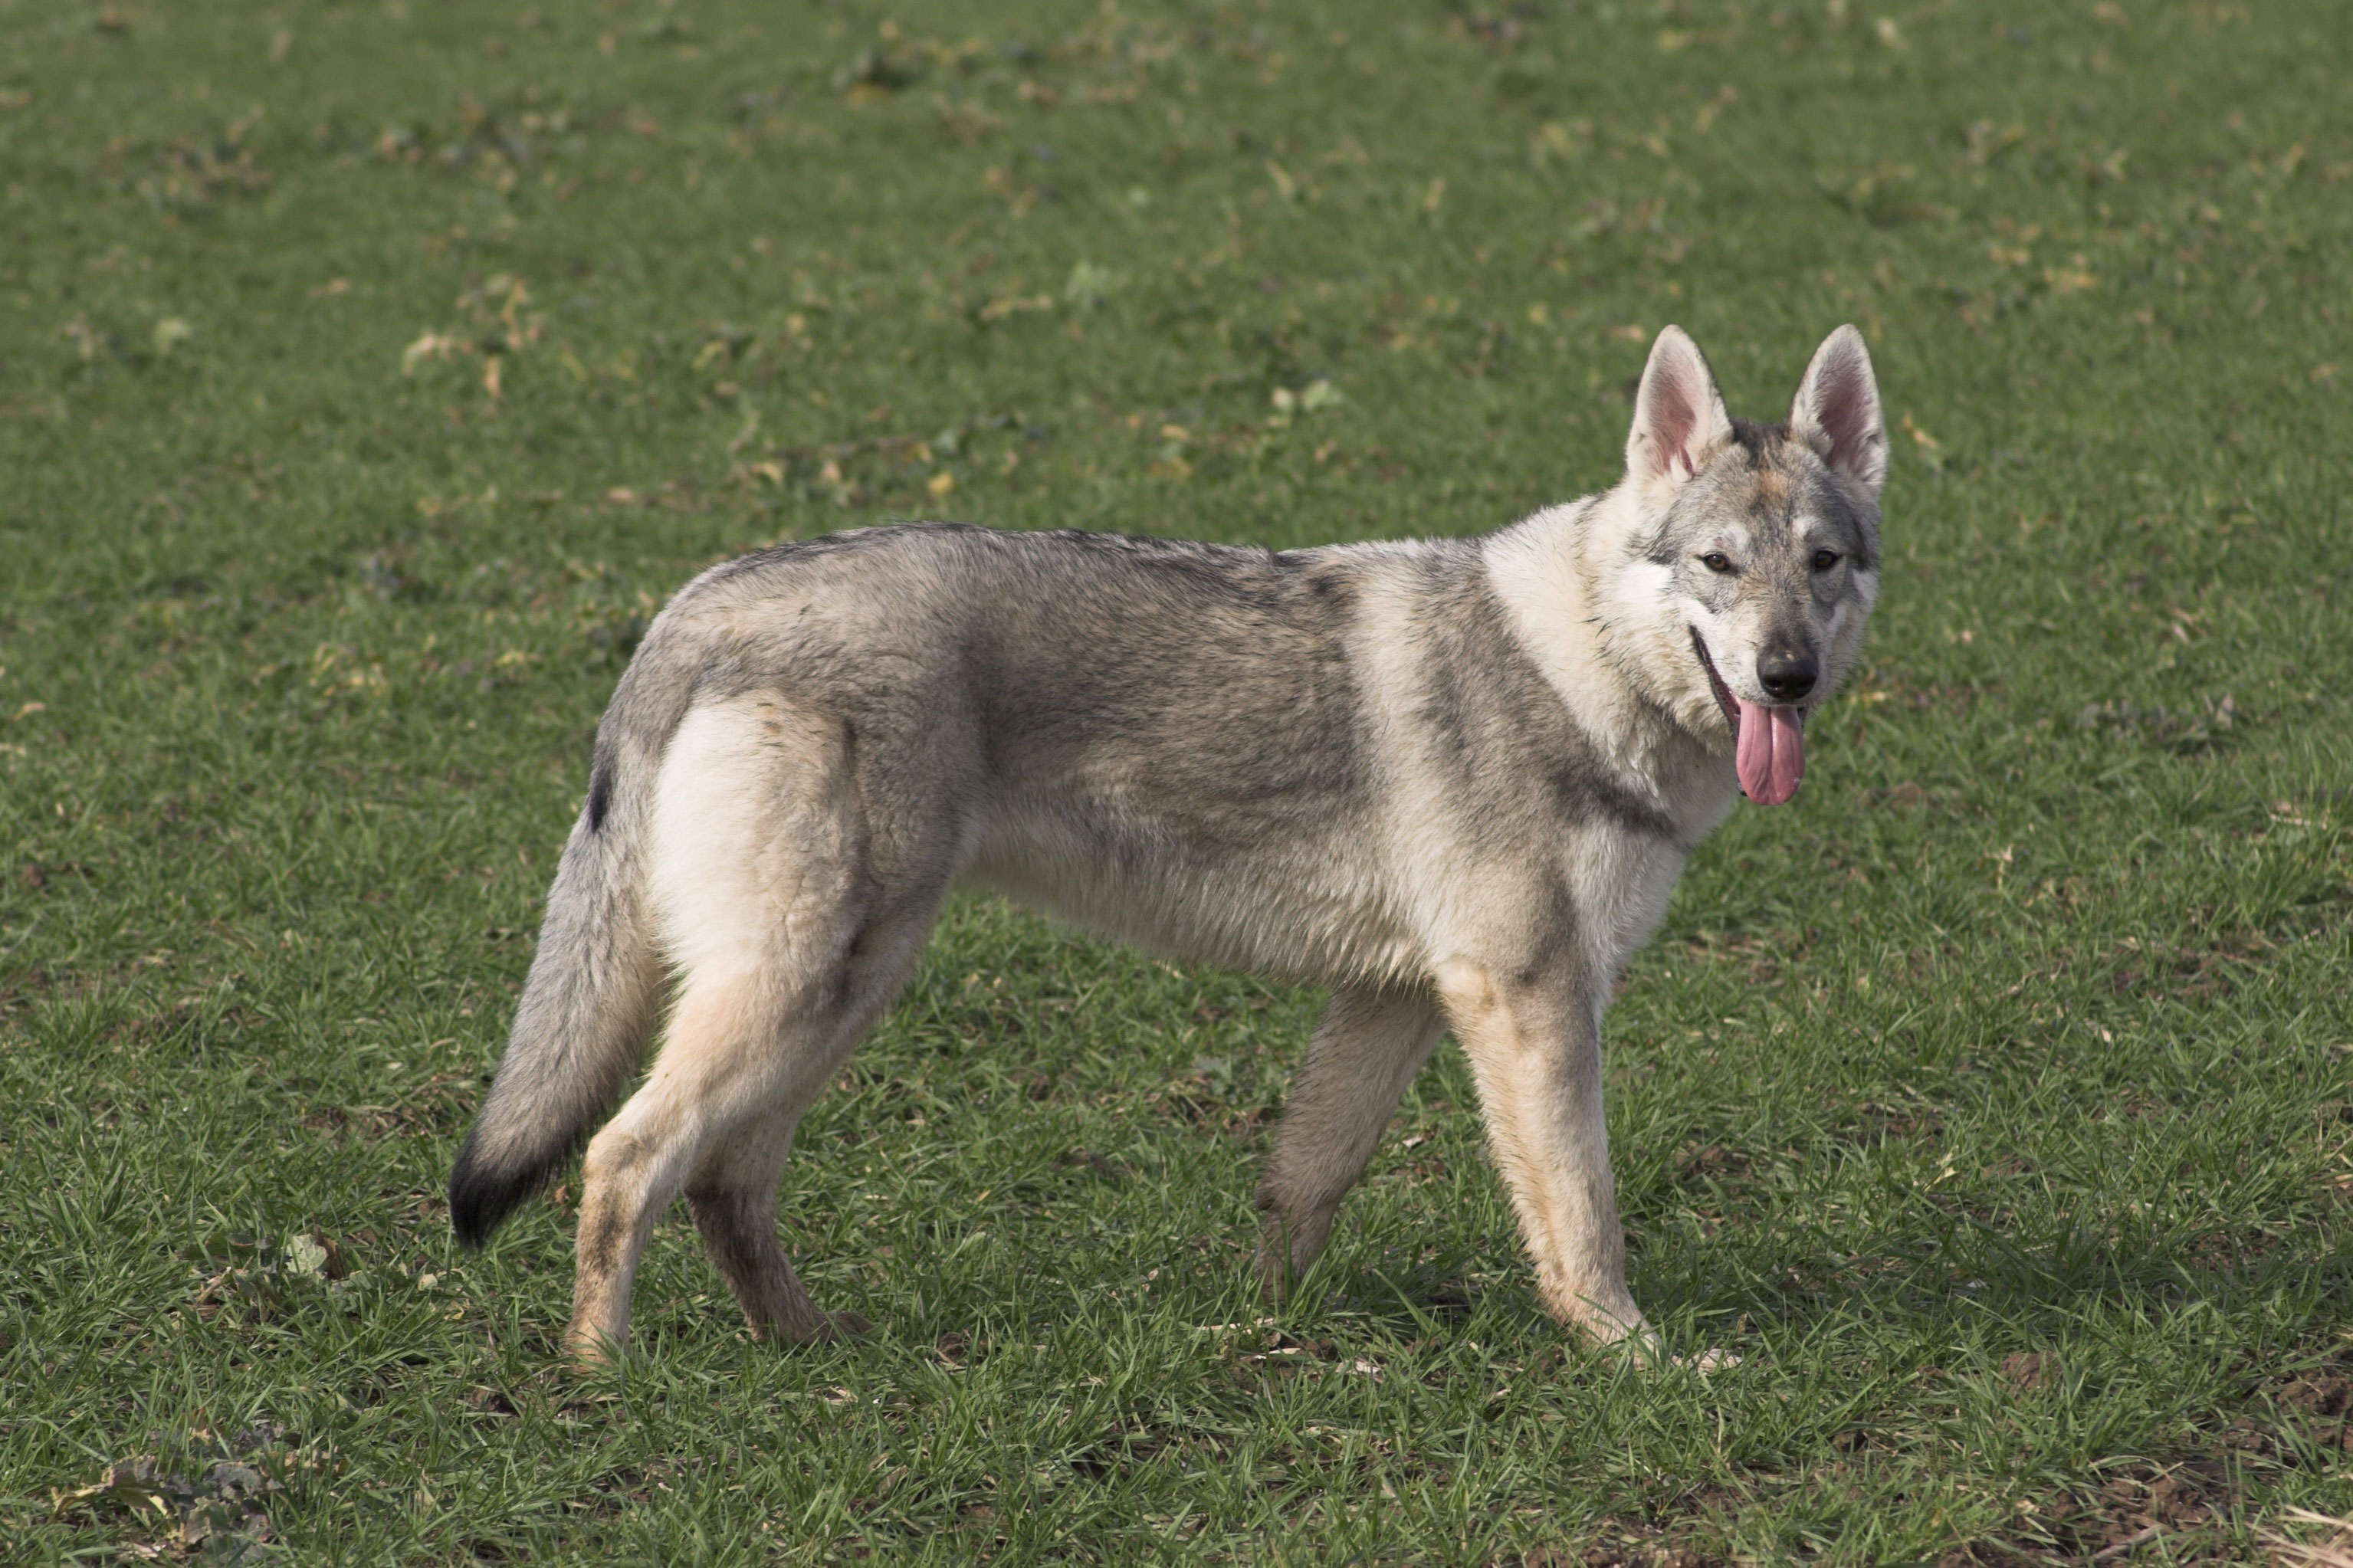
point(1585, 610)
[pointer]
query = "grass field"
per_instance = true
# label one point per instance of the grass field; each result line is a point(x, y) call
point(369, 372)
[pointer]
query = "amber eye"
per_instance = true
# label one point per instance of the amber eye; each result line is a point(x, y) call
point(1714, 561)
point(1825, 559)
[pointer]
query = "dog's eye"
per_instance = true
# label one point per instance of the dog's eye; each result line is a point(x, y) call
point(1825, 559)
point(1716, 561)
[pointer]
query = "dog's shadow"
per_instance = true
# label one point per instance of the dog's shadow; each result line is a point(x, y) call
point(1957, 1279)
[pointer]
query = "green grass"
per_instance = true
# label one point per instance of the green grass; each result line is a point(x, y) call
point(2022, 1034)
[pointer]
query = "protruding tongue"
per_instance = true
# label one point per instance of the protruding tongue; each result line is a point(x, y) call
point(1771, 756)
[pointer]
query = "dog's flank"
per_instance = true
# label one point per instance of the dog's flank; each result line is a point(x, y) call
point(1454, 780)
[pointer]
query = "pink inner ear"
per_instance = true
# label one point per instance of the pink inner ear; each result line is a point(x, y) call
point(1673, 416)
point(1843, 405)
point(1843, 409)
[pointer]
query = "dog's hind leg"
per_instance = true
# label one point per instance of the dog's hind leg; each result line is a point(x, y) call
point(1367, 1047)
point(732, 1193)
point(793, 935)
point(708, 1087)
point(745, 1057)
point(733, 1196)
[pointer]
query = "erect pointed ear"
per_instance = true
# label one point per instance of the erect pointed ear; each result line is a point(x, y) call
point(1678, 414)
point(1837, 410)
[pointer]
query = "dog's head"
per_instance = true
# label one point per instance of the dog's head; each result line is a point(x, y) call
point(1751, 558)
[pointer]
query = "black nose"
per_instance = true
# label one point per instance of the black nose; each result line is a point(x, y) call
point(1787, 673)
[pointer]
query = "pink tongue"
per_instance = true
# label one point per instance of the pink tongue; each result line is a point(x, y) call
point(1771, 757)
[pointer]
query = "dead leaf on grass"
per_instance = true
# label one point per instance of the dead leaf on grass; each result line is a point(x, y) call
point(2030, 1369)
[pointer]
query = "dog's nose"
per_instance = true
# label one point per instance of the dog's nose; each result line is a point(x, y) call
point(1787, 673)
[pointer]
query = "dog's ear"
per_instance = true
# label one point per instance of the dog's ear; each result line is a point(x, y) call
point(1678, 416)
point(1837, 410)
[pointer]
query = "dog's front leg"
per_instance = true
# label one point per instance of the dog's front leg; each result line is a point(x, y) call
point(1366, 1049)
point(1532, 1032)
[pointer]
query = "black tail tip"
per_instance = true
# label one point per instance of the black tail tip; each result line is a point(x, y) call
point(483, 1192)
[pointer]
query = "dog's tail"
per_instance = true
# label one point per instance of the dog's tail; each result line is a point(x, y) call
point(594, 984)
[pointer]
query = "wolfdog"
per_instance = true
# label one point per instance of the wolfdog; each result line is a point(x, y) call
point(1454, 780)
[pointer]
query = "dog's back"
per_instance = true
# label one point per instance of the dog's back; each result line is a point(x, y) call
point(1165, 741)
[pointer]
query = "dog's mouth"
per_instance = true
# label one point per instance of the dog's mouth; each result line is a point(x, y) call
point(1768, 740)
point(1723, 697)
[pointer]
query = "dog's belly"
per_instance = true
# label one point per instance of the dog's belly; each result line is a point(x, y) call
point(1301, 906)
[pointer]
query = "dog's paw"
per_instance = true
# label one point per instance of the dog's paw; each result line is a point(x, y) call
point(813, 1326)
point(1648, 1353)
point(586, 1353)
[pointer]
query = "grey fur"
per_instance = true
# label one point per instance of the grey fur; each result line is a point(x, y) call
point(1415, 773)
